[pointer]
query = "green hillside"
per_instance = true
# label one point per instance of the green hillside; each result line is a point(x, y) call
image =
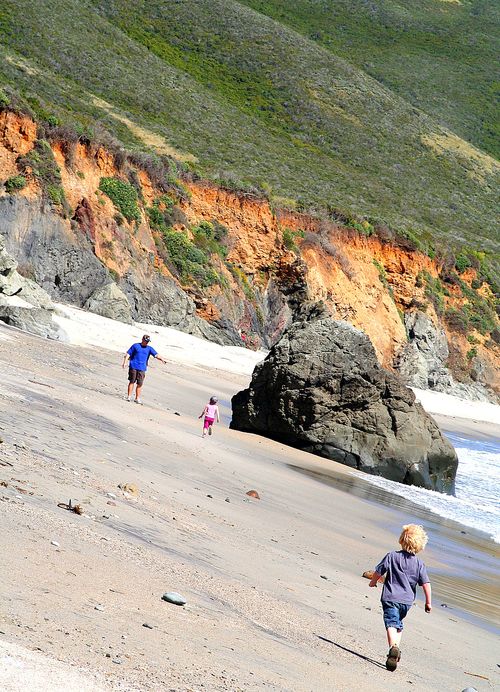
point(440, 55)
point(268, 101)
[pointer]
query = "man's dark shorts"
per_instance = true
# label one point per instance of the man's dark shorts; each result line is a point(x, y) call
point(136, 376)
point(394, 614)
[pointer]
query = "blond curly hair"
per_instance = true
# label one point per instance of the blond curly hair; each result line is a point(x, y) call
point(413, 538)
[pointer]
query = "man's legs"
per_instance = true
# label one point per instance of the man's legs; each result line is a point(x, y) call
point(140, 381)
point(130, 389)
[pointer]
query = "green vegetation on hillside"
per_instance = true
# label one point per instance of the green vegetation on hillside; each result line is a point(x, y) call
point(123, 196)
point(258, 103)
point(439, 55)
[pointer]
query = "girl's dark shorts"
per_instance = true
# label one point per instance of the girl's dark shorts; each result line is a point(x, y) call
point(136, 376)
point(394, 614)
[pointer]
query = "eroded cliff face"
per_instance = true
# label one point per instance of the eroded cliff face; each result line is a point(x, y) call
point(271, 260)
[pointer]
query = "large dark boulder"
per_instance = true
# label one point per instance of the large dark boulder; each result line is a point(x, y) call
point(322, 389)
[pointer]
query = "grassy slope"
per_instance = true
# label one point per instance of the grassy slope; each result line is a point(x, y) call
point(441, 56)
point(248, 95)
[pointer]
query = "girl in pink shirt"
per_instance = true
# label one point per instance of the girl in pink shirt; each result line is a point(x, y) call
point(211, 412)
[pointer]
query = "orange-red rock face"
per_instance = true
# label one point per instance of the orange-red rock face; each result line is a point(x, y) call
point(362, 280)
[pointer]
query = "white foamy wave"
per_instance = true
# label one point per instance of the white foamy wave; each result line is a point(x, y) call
point(477, 501)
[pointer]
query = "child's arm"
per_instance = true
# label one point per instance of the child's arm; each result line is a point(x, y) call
point(428, 597)
point(218, 417)
point(375, 578)
point(203, 412)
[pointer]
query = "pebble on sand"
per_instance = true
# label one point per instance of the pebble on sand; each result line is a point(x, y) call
point(54, 543)
point(129, 488)
point(99, 607)
point(147, 625)
point(253, 493)
point(174, 597)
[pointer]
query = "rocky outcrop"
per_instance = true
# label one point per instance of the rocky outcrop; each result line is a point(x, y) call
point(110, 301)
point(62, 260)
point(422, 362)
point(322, 389)
point(23, 304)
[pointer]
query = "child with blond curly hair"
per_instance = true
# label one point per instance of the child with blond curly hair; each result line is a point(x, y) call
point(403, 570)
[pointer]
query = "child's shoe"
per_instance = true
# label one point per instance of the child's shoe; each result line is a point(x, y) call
point(393, 657)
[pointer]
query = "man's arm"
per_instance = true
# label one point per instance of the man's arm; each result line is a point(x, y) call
point(162, 360)
point(428, 597)
point(125, 357)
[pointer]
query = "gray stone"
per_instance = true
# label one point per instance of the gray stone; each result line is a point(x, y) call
point(156, 298)
point(322, 389)
point(110, 301)
point(23, 304)
point(174, 597)
point(422, 362)
point(60, 260)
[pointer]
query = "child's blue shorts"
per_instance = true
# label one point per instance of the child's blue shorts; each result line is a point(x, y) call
point(394, 614)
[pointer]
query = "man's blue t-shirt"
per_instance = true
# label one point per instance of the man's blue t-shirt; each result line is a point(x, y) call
point(403, 572)
point(139, 356)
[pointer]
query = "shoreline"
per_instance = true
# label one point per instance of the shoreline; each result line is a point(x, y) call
point(274, 587)
point(474, 429)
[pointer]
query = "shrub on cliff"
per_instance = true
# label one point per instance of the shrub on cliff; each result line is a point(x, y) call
point(41, 164)
point(190, 262)
point(123, 196)
point(210, 237)
point(15, 183)
point(290, 239)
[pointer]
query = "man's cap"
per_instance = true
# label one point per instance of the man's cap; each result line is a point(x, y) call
point(146, 337)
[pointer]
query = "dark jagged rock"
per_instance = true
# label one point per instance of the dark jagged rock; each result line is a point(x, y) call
point(321, 389)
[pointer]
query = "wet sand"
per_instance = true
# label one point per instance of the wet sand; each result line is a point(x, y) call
point(260, 614)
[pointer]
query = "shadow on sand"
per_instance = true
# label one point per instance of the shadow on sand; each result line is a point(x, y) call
point(350, 651)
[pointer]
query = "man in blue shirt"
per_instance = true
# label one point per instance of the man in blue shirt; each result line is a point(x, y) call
point(139, 355)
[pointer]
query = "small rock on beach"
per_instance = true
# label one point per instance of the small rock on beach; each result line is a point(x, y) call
point(174, 597)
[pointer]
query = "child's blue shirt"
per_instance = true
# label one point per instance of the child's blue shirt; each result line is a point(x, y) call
point(403, 572)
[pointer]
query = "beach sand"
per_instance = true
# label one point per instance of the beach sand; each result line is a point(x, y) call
point(275, 597)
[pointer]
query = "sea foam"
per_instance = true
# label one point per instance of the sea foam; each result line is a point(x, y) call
point(477, 502)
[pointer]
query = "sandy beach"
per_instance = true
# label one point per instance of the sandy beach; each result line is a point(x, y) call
point(275, 597)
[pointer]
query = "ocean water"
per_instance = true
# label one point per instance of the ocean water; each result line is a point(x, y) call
point(477, 501)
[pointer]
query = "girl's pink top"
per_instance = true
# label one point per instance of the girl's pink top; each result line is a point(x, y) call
point(211, 411)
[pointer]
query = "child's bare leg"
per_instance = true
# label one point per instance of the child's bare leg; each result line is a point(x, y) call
point(394, 636)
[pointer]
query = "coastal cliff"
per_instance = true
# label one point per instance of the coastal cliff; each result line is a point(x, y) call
point(133, 237)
